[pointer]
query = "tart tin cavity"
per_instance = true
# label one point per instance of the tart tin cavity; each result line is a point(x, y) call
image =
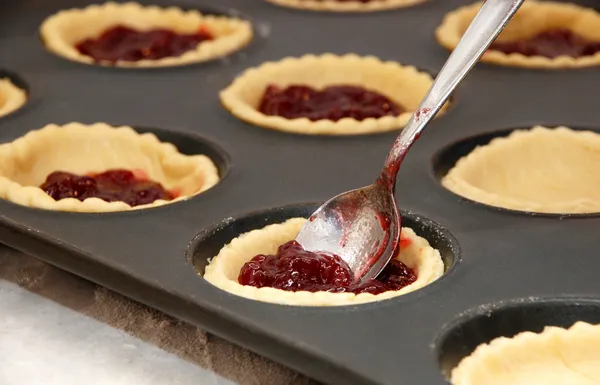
point(63, 30)
point(488, 322)
point(14, 93)
point(140, 253)
point(208, 243)
point(474, 155)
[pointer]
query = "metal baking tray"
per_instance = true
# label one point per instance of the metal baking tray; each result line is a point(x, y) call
point(506, 271)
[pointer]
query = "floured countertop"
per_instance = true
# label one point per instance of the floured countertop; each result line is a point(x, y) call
point(59, 329)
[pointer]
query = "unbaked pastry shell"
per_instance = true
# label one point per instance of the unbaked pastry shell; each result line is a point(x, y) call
point(531, 19)
point(62, 31)
point(11, 97)
point(403, 84)
point(224, 269)
point(556, 356)
point(539, 170)
point(346, 6)
point(27, 161)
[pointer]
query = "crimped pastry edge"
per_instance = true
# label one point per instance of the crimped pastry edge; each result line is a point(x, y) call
point(350, 6)
point(11, 97)
point(454, 182)
point(34, 197)
point(450, 31)
point(419, 255)
point(490, 354)
point(231, 33)
point(252, 83)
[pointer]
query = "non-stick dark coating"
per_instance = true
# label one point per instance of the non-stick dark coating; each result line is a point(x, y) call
point(142, 254)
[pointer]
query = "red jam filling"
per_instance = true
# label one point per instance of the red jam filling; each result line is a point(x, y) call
point(124, 43)
point(354, 1)
point(332, 103)
point(296, 269)
point(551, 44)
point(133, 188)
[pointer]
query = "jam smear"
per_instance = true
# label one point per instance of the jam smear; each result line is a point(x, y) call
point(405, 242)
point(551, 44)
point(296, 269)
point(332, 103)
point(112, 186)
point(127, 44)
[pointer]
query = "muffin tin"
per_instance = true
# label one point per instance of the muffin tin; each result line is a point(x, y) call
point(506, 271)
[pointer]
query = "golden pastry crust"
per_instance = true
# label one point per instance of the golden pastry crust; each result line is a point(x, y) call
point(555, 356)
point(77, 148)
point(62, 31)
point(224, 269)
point(532, 18)
point(539, 170)
point(11, 97)
point(403, 84)
point(346, 6)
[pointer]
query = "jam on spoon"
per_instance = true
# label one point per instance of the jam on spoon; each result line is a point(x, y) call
point(551, 44)
point(296, 269)
point(128, 44)
point(333, 103)
point(133, 188)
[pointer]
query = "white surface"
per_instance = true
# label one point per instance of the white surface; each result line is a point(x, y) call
point(44, 343)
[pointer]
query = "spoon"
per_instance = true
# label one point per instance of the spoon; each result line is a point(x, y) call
point(363, 226)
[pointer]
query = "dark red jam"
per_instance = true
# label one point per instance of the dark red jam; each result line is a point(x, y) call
point(332, 103)
point(124, 43)
point(295, 269)
point(354, 1)
point(112, 186)
point(551, 44)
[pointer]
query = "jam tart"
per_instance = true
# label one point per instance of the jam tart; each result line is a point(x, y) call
point(542, 34)
point(55, 158)
point(404, 86)
point(173, 36)
point(224, 269)
point(346, 5)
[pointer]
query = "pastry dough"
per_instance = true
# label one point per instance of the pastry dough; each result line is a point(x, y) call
point(532, 18)
point(403, 84)
point(62, 31)
point(556, 356)
point(26, 162)
point(11, 97)
point(540, 170)
point(346, 6)
point(224, 269)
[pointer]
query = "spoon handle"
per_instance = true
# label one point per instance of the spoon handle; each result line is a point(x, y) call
point(485, 27)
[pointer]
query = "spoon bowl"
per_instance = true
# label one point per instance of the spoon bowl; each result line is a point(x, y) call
point(363, 226)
